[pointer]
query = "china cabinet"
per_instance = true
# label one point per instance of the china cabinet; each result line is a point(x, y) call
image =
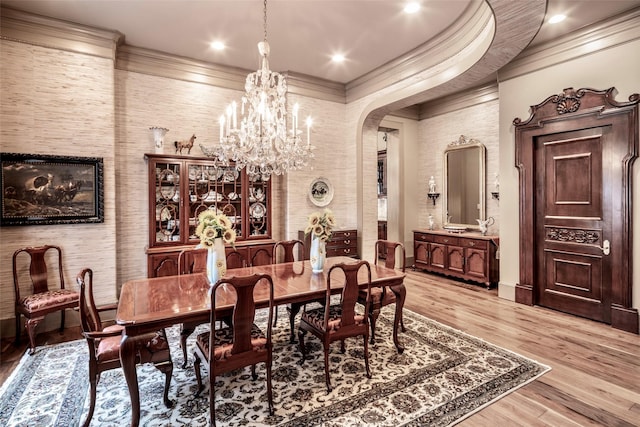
point(468, 256)
point(180, 187)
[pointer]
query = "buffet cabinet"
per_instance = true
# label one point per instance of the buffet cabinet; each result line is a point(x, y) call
point(342, 243)
point(181, 187)
point(467, 256)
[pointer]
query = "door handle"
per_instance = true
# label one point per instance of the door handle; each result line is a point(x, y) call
point(606, 247)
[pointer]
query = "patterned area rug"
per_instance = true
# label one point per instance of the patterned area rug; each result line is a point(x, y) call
point(442, 377)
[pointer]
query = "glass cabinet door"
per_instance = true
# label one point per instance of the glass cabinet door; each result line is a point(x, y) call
point(217, 188)
point(167, 202)
point(258, 207)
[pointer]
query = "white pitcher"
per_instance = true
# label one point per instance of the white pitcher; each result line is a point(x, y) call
point(485, 224)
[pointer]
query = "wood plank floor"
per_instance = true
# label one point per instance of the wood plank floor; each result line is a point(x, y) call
point(595, 376)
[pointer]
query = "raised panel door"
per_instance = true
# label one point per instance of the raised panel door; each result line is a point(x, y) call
point(438, 255)
point(455, 259)
point(163, 264)
point(476, 264)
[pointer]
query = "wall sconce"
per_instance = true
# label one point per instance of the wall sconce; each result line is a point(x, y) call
point(432, 190)
point(496, 183)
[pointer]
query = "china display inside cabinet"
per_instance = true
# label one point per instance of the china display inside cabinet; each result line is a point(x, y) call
point(180, 188)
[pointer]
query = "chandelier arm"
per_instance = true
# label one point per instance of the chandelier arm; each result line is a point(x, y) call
point(263, 144)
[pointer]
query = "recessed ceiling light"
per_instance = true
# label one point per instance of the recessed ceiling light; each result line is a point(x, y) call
point(412, 7)
point(557, 18)
point(217, 45)
point(338, 58)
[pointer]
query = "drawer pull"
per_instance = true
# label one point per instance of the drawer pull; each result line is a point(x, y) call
point(347, 234)
point(472, 243)
point(346, 242)
point(446, 240)
point(348, 250)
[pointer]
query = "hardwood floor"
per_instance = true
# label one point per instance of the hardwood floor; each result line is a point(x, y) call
point(595, 376)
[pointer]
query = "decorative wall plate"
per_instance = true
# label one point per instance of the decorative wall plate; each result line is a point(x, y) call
point(257, 210)
point(321, 192)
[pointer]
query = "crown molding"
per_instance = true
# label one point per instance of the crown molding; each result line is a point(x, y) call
point(618, 30)
point(53, 33)
point(460, 100)
point(456, 37)
point(161, 64)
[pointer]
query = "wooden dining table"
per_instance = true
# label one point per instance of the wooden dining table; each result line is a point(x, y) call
point(150, 304)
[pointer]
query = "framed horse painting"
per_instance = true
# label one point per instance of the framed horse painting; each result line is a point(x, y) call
point(44, 189)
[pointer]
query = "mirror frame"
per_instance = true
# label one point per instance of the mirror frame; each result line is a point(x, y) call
point(464, 143)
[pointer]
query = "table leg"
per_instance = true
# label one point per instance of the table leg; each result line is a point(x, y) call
point(293, 311)
point(401, 293)
point(128, 362)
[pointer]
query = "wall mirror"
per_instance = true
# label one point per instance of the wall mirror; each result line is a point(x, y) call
point(464, 184)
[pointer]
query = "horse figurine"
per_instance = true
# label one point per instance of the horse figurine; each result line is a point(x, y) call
point(185, 144)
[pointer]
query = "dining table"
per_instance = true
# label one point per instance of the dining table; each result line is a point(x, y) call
point(150, 304)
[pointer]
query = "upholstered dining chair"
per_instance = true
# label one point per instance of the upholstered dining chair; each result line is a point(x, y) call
point(285, 251)
point(104, 343)
point(340, 321)
point(395, 257)
point(227, 347)
point(190, 260)
point(41, 300)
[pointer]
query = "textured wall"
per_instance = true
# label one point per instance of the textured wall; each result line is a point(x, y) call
point(63, 103)
point(56, 102)
point(478, 122)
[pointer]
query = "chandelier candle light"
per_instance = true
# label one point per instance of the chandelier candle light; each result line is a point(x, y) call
point(261, 141)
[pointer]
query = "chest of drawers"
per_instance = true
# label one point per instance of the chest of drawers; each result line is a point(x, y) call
point(342, 243)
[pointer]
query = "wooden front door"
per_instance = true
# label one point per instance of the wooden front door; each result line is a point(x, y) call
point(572, 220)
point(575, 155)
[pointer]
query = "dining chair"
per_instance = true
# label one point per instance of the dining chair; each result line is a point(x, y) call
point(104, 343)
point(383, 296)
point(190, 260)
point(41, 300)
point(339, 321)
point(227, 347)
point(285, 251)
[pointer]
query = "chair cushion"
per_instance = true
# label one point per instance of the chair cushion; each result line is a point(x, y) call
point(378, 297)
point(224, 342)
point(49, 299)
point(315, 318)
point(109, 348)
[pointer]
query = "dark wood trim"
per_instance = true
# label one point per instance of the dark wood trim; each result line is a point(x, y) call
point(564, 112)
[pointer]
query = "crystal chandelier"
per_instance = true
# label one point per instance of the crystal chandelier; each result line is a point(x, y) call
point(263, 142)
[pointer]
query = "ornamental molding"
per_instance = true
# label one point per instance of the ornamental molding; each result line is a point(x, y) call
point(572, 235)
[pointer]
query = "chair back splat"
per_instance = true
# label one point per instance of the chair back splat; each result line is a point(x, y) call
point(42, 300)
point(337, 322)
point(394, 257)
point(104, 343)
point(288, 250)
point(191, 260)
point(227, 347)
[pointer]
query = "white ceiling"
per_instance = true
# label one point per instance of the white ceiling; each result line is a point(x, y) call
point(303, 34)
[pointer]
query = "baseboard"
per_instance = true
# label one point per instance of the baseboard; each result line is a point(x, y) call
point(507, 291)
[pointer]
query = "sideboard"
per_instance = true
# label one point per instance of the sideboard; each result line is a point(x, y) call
point(468, 256)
